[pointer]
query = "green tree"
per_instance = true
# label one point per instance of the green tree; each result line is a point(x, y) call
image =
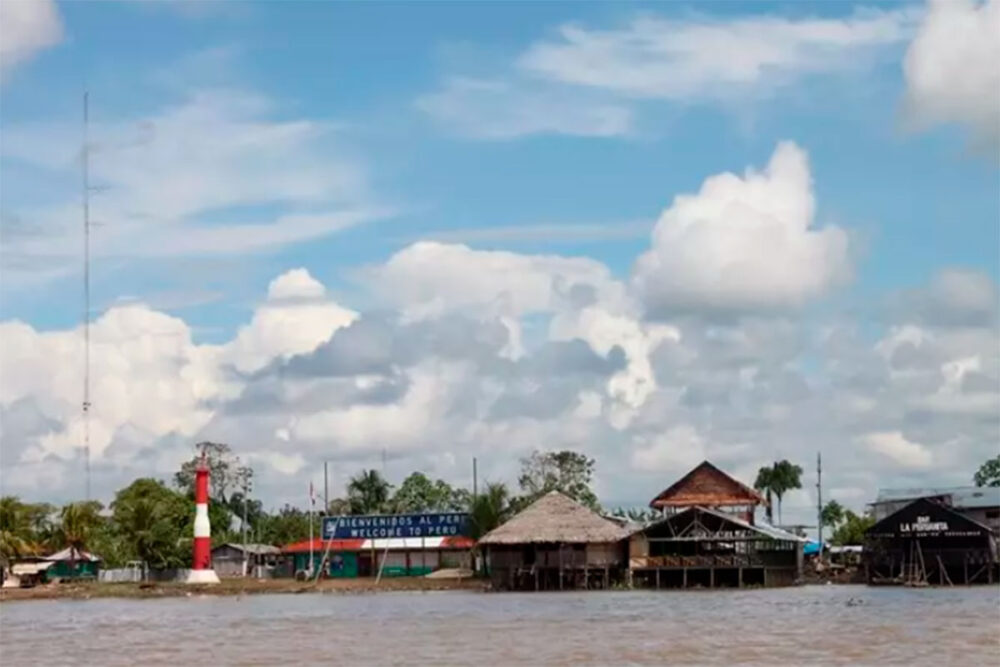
point(565, 471)
point(368, 493)
point(155, 523)
point(78, 523)
point(290, 524)
point(224, 470)
point(765, 483)
point(988, 473)
point(788, 477)
point(418, 493)
point(832, 513)
point(16, 539)
point(489, 509)
point(852, 530)
point(777, 480)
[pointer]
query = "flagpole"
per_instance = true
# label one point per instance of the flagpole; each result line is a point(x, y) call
point(311, 563)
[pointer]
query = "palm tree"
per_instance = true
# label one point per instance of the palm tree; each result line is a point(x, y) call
point(787, 476)
point(489, 509)
point(78, 522)
point(368, 492)
point(15, 531)
point(766, 484)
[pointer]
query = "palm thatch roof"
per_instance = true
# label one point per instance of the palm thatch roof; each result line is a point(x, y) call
point(555, 518)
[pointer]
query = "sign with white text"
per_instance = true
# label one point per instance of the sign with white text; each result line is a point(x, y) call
point(376, 526)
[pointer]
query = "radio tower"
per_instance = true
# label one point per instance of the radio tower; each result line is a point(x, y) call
point(85, 159)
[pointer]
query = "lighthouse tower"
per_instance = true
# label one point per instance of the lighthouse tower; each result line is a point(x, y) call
point(201, 563)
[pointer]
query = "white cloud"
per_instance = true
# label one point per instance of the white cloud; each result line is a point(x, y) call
point(496, 109)
point(686, 59)
point(896, 447)
point(952, 67)
point(743, 243)
point(306, 380)
point(295, 319)
point(431, 278)
point(26, 28)
point(216, 174)
point(675, 451)
point(591, 81)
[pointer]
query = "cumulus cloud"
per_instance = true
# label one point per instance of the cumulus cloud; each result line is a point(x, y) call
point(307, 380)
point(902, 451)
point(26, 28)
point(431, 277)
point(952, 67)
point(954, 297)
point(743, 243)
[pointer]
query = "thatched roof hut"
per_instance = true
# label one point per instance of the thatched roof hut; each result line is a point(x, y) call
point(555, 518)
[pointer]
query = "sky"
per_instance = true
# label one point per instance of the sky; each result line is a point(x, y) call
point(413, 234)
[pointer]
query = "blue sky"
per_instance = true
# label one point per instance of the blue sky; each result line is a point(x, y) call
point(545, 130)
point(365, 65)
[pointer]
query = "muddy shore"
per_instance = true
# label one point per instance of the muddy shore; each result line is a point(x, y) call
point(86, 591)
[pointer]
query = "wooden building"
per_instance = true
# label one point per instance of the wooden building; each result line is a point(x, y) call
point(233, 559)
point(702, 547)
point(555, 544)
point(707, 486)
point(926, 542)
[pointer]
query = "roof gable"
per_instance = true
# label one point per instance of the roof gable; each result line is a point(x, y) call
point(926, 518)
point(707, 486)
point(555, 518)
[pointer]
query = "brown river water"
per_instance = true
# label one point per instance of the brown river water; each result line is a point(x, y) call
point(791, 626)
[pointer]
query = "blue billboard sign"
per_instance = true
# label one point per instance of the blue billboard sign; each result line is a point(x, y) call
point(438, 524)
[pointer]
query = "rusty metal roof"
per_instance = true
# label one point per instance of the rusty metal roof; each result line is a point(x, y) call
point(707, 486)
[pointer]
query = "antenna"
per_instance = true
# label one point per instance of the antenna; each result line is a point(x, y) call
point(86, 290)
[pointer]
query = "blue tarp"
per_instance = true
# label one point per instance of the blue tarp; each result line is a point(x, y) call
point(810, 548)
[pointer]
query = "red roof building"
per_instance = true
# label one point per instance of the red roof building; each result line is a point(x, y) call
point(707, 486)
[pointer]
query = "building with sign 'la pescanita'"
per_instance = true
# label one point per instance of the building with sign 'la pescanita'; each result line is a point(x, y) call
point(928, 542)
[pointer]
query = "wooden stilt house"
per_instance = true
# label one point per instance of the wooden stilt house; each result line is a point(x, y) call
point(556, 544)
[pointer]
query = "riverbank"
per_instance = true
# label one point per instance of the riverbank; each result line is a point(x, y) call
point(234, 587)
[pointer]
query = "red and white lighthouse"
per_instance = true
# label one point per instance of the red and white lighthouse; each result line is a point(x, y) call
point(201, 563)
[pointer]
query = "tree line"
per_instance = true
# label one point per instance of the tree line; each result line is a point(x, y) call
point(152, 522)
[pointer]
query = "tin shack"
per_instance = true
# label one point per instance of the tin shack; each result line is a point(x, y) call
point(395, 556)
point(554, 544)
point(927, 542)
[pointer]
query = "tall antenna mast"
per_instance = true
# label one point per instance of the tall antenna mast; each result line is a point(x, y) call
point(86, 290)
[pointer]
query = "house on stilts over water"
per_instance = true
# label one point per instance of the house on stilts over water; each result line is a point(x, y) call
point(927, 542)
point(709, 538)
point(555, 544)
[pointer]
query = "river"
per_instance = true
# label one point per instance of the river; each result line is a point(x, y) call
point(811, 624)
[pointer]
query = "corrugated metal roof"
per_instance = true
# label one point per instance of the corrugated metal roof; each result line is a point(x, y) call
point(258, 549)
point(962, 497)
point(761, 527)
point(71, 554)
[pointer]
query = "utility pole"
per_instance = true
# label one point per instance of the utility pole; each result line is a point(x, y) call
point(326, 489)
point(85, 160)
point(246, 505)
point(819, 501)
point(475, 481)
